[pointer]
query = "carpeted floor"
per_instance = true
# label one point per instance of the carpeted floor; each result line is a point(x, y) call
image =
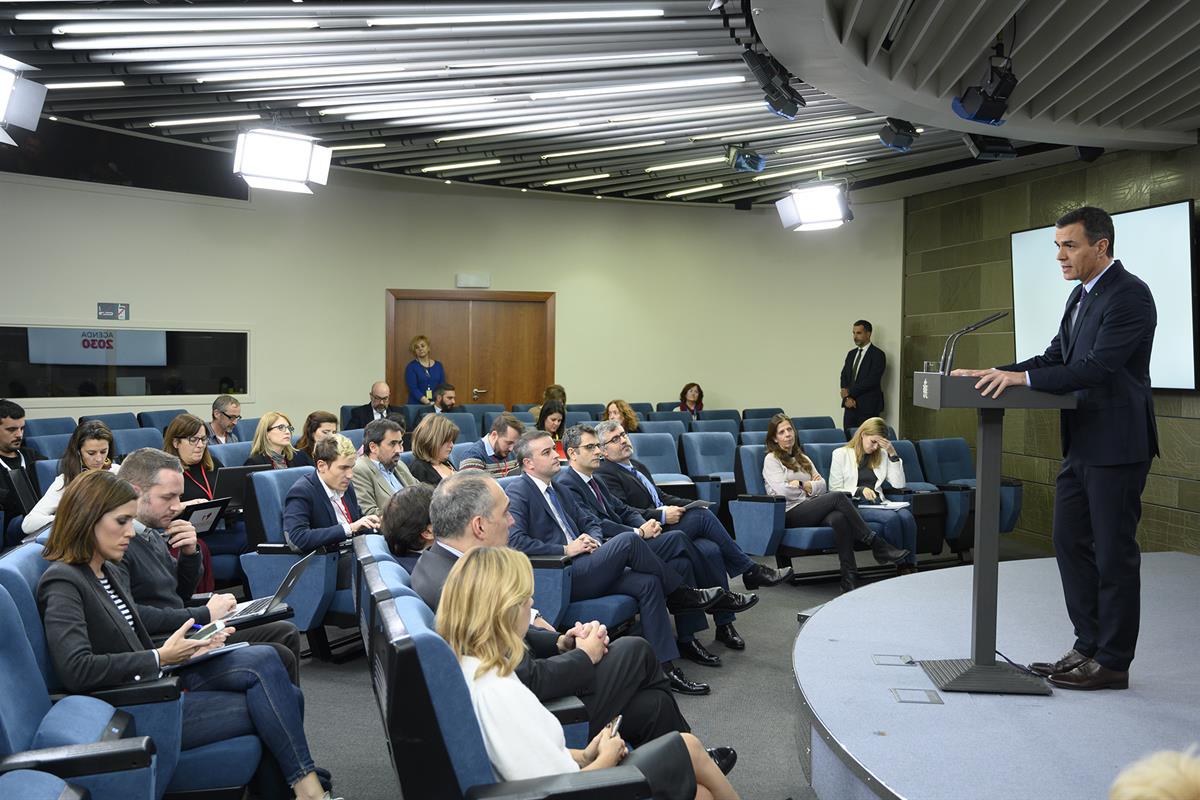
point(752, 706)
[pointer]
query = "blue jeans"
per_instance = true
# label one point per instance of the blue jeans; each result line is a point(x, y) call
point(899, 527)
point(247, 692)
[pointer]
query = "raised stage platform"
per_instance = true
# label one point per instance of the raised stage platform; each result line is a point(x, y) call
point(858, 740)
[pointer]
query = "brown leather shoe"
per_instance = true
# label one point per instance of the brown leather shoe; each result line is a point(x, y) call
point(1070, 660)
point(1091, 675)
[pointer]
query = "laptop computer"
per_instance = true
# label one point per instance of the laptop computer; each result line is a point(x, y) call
point(249, 610)
point(231, 483)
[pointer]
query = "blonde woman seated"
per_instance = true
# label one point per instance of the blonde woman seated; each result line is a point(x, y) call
point(273, 443)
point(862, 468)
point(483, 616)
point(788, 472)
point(90, 447)
point(620, 411)
point(432, 442)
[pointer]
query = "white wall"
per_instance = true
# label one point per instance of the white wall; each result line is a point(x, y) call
point(757, 315)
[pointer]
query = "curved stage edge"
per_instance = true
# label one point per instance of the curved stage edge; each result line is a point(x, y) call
point(857, 740)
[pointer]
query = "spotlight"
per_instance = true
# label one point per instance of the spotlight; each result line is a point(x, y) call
point(988, 148)
point(779, 95)
point(988, 101)
point(716, 5)
point(898, 134)
point(743, 160)
point(279, 160)
point(20, 100)
point(814, 208)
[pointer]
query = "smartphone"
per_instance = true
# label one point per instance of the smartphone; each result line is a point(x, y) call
point(207, 632)
point(615, 726)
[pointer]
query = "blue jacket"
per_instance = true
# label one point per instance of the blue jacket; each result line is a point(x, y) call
point(534, 529)
point(308, 519)
point(615, 518)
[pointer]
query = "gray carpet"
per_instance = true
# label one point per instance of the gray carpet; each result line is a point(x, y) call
point(752, 706)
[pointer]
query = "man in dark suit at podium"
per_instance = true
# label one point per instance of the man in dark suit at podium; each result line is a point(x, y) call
point(862, 378)
point(1102, 354)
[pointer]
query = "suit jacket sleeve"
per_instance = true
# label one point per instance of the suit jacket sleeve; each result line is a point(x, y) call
point(365, 487)
point(847, 370)
point(298, 514)
point(843, 475)
point(558, 675)
point(520, 534)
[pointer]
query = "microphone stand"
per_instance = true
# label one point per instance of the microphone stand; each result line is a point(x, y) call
point(947, 361)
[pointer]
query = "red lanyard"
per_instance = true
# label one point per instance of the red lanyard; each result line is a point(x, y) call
point(205, 487)
point(345, 510)
point(503, 462)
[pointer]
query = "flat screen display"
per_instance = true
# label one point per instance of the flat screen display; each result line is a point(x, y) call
point(1154, 244)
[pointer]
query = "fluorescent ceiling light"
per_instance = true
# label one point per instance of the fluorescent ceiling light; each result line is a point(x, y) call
point(517, 62)
point(544, 126)
point(370, 146)
point(800, 148)
point(352, 70)
point(280, 160)
point(632, 88)
point(415, 105)
point(531, 16)
point(778, 129)
point(694, 190)
point(780, 173)
point(172, 123)
point(180, 26)
point(696, 162)
point(814, 208)
point(85, 85)
point(611, 148)
point(577, 179)
point(688, 112)
point(487, 162)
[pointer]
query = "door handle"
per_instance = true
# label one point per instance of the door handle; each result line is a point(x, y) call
point(476, 392)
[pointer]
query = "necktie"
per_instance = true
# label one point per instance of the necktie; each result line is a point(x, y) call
point(560, 514)
point(857, 361)
point(599, 497)
point(654, 498)
point(1078, 306)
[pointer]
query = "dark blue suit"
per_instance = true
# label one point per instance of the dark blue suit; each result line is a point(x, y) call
point(624, 564)
point(308, 518)
point(1108, 441)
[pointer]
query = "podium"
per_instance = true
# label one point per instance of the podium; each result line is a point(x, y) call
point(980, 672)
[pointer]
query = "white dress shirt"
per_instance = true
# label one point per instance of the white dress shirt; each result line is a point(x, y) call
point(339, 510)
point(544, 487)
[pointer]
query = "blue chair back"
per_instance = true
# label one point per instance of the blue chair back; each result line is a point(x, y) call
point(523, 406)
point(20, 570)
point(665, 416)
point(467, 430)
point(754, 437)
point(657, 451)
point(159, 419)
point(669, 426)
point(595, 411)
point(478, 410)
point(53, 445)
point(113, 421)
point(750, 458)
point(355, 436)
point(667, 405)
point(125, 441)
point(946, 460)
point(344, 416)
point(755, 423)
point(710, 454)
point(489, 419)
point(456, 452)
point(822, 456)
point(410, 414)
point(232, 454)
point(507, 480)
point(577, 418)
point(912, 464)
point(377, 547)
point(758, 413)
point(722, 413)
point(245, 428)
point(270, 490)
point(642, 408)
point(49, 426)
point(396, 578)
point(706, 425)
point(812, 423)
point(807, 436)
point(891, 433)
point(46, 471)
point(24, 700)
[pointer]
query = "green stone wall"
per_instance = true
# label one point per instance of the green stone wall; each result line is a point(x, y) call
point(957, 269)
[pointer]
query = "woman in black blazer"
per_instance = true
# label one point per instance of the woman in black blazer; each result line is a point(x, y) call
point(96, 638)
point(432, 441)
point(273, 444)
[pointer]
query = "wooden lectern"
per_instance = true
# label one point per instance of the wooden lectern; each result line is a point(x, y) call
point(980, 672)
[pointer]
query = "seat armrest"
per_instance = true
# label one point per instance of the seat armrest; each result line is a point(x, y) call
point(74, 760)
point(274, 549)
point(136, 694)
point(704, 478)
point(550, 562)
point(627, 783)
point(567, 710)
point(760, 498)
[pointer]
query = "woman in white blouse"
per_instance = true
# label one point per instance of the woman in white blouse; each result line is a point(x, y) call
point(862, 468)
point(788, 472)
point(89, 447)
point(483, 616)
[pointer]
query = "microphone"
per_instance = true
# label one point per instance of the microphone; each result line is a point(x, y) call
point(947, 361)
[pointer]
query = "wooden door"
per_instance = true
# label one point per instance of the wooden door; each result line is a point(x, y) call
point(500, 343)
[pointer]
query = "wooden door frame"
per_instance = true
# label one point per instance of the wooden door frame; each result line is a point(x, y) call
point(395, 379)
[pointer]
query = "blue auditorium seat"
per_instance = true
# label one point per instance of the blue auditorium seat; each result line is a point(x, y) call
point(711, 456)
point(113, 421)
point(755, 423)
point(722, 413)
point(754, 437)
point(807, 436)
point(595, 411)
point(47, 471)
point(456, 452)
point(125, 441)
point(813, 423)
point(52, 445)
point(891, 433)
point(29, 784)
point(667, 405)
point(344, 416)
point(523, 406)
point(411, 410)
point(48, 426)
point(231, 454)
point(479, 410)
point(407, 458)
point(159, 419)
point(660, 454)
point(642, 408)
point(665, 416)
point(948, 461)
point(759, 413)
point(958, 499)
point(707, 425)
point(355, 436)
point(758, 517)
point(674, 427)
point(245, 427)
point(467, 432)
point(489, 419)
point(577, 418)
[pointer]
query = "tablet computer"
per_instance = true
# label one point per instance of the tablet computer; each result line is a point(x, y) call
point(204, 516)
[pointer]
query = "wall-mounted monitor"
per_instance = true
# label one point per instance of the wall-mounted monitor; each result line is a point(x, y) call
point(1154, 244)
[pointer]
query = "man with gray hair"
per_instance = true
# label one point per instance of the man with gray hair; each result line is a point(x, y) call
point(162, 584)
point(469, 510)
point(226, 413)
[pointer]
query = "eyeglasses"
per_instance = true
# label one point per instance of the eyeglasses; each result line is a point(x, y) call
point(282, 427)
point(591, 448)
point(382, 398)
point(615, 438)
point(195, 441)
point(230, 417)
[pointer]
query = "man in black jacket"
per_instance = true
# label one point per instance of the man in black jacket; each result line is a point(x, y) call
point(378, 408)
point(469, 510)
point(15, 456)
point(862, 378)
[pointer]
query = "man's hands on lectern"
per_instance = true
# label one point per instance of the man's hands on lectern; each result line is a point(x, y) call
point(992, 381)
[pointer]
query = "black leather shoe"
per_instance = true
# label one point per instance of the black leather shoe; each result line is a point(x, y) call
point(736, 602)
point(694, 651)
point(850, 580)
point(760, 575)
point(681, 685)
point(725, 757)
point(728, 636)
point(1091, 675)
point(685, 598)
point(1070, 660)
point(884, 552)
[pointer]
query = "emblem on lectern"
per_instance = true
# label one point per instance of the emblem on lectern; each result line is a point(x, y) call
point(925, 389)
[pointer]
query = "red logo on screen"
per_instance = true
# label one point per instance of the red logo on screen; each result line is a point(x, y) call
point(97, 340)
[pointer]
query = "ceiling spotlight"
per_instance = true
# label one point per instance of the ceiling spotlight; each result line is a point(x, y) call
point(775, 81)
point(988, 101)
point(20, 99)
point(716, 5)
point(988, 148)
point(281, 161)
point(898, 134)
point(741, 159)
point(814, 208)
